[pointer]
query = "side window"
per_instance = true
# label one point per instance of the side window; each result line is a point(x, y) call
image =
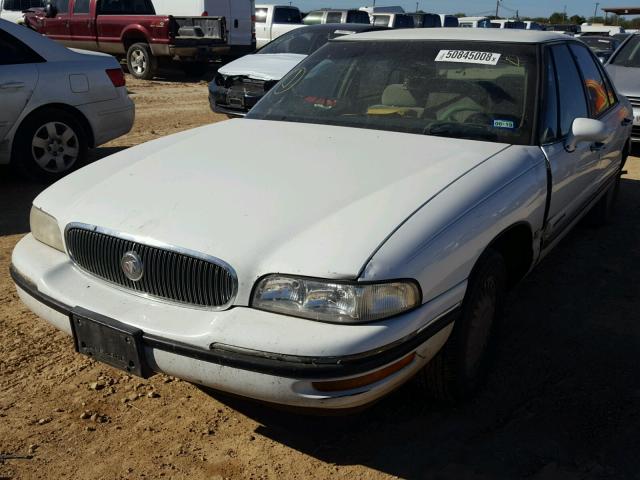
point(125, 7)
point(611, 93)
point(381, 20)
point(20, 5)
point(593, 81)
point(286, 15)
point(62, 6)
point(549, 117)
point(313, 18)
point(334, 17)
point(261, 15)
point(573, 103)
point(81, 6)
point(14, 52)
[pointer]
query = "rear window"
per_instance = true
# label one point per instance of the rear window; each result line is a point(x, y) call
point(431, 21)
point(20, 5)
point(404, 21)
point(126, 7)
point(286, 15)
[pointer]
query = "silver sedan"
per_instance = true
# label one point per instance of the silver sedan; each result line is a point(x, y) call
point(624, 69)
point(56, 103)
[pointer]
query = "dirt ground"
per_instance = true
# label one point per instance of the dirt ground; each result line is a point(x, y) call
point(563, 400)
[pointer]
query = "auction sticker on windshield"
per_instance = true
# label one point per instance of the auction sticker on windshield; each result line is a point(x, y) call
point(468, 56)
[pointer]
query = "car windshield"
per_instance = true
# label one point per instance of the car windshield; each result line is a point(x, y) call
point(301, 41)
point(473, 90)
point(597, 43)
point(629, 53)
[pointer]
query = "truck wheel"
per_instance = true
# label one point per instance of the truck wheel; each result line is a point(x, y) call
point(194, 69)
point(141, 62)
point(461, 366)
point(50, 144)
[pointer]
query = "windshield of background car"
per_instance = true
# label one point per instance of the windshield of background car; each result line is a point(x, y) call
point(597, 44)
point(629, 53)
point(474, 90)
point(300, 41)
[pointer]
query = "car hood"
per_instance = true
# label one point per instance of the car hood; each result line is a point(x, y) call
point(262, 66)
point(267, 196)
point(626, 79)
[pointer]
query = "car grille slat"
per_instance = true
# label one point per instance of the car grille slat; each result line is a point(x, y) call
point(635, 101)
point(175, 275)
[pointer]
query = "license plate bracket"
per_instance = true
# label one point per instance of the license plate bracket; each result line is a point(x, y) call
point(235, 99)
point(109, 341)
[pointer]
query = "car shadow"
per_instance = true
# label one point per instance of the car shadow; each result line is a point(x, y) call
point(562, 398)
point(17, 194)
point(173, 73)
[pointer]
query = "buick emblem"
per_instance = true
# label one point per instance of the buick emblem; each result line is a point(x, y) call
point(132, 267)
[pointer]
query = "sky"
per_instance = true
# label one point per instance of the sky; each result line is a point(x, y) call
point(529, 8)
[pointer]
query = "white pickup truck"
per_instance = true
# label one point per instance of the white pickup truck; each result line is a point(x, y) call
point(274, 20)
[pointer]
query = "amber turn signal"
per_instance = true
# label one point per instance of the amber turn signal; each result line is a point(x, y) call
point(363, 381)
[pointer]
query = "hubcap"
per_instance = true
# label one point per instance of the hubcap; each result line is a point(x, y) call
point(138, 62)
point(55, 147)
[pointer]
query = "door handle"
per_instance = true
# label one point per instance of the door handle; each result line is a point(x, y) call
point(626, 122)
point(11, 85)
point(597, 146)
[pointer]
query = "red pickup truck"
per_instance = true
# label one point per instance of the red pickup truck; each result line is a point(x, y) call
point(131, 29)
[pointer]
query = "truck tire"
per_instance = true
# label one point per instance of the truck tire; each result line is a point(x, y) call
point(50, 144)
point(141, 62)
point(461, 365)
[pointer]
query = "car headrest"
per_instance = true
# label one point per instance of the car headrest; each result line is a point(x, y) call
point(397, 95)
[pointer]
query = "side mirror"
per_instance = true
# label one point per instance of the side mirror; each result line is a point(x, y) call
point(586, 130)
point(50, 10)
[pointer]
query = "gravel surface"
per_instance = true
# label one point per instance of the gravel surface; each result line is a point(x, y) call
point(562, 401)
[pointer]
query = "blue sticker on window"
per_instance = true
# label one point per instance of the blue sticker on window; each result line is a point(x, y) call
point(510, 124)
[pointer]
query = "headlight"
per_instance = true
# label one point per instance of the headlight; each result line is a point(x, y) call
point(334, 301)
point(44, 228)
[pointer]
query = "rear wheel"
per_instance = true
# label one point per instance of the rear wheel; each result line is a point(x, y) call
point(50, 144)
point(461, 366)
point(141, 62)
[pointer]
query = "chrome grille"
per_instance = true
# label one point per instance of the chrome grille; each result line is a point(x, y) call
point(179, 276)
point(635, 101)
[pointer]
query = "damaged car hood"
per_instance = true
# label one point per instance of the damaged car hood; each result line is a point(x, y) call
point(265, 66)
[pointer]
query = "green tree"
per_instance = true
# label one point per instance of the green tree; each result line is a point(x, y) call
point(460, 14)
point(556, 17)
point(577, 19)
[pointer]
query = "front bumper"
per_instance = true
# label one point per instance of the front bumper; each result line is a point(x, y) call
point(283, 378)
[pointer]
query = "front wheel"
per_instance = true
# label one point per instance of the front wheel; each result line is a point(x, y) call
point(142, 64)
point(50, 144)
point(461, 366)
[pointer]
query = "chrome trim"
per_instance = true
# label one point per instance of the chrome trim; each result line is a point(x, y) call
point(151, 242)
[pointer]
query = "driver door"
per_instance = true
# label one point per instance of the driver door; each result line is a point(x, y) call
point(59, 27)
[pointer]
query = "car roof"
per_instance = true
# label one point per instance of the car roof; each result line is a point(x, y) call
point(464, 34)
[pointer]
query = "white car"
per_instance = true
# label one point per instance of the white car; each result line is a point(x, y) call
point(56, 103)
point(359, 228)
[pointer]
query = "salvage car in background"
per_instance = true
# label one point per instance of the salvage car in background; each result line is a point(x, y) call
point(624, 69)
point(240, 84)
point(371, 213)
point(393, 20)
point(56, 103)
point(336, 16)
point(602, 47)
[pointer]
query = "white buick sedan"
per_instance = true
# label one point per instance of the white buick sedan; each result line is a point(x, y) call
point(359, 228)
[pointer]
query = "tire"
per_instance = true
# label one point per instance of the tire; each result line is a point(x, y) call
point(194, 69)
point(50, 144)
point(141, 63)
point(461, 366)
